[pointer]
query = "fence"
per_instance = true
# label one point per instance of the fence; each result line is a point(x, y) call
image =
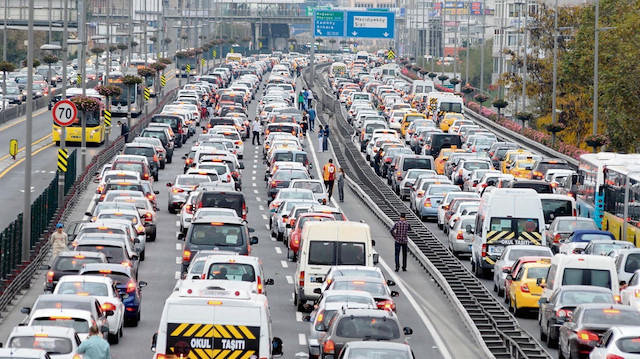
point(16, 272)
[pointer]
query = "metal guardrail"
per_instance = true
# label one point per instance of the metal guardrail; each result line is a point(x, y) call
point(498, 329)
point(20, 272)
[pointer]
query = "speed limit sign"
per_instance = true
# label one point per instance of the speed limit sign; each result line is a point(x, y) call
point(64, 113)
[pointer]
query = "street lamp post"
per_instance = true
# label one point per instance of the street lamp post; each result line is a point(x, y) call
point(484, 30)
point(26, 214)
point(524, 58)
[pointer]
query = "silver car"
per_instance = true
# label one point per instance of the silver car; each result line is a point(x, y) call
point(509, 256)
point(461, 236)
point(618, 342)
point(181, 188)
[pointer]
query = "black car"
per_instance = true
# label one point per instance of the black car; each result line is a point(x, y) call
point(69, 263)
point(580, 334)
point(541, 167)
point(537, 185)
point(555, 310)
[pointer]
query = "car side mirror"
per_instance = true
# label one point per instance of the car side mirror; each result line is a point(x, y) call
point(142, 284)
point(134, 257)
point(543, 300)
point(623, 284)
point(276, 346)
point(88, 214)
point(373, 242)
point(241, 165)
point(321, 327)
point(254, 240)
point(156, 192)
point(317, 291)
point(376, 258)
point(407, 330)
point(184, 157)
point(154, 340)
point(251, 230)
point(45, 267)
point(136, 241)
point(506, 270)
point(109, 313)
point(169, 184)
point(578, 251)
point(306, 318)
point(390, 283)
point(509, 277)
point(539, 281)
point(394, 294)
point(25, 310)
point(269, 281)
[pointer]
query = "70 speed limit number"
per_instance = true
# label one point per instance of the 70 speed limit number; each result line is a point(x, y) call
point(64, 113)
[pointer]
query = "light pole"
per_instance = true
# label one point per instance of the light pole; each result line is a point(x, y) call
point(484, 30)
point(555, 68)
point(524, 58)
point(26, 214)
point(596, 46)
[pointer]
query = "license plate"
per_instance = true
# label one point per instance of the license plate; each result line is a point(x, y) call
point(316, 279)
point(214, 293)
point(495, 250)
point(75, 137)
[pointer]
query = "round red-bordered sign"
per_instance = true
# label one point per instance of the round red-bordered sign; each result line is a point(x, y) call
point(64, 113)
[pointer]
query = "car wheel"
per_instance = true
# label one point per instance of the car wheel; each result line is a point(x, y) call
point(142, 255)
point(120, 332)
point(517, 311)
point(543, 336)
point(500, 291)
point(114, 338)
point(551, 341)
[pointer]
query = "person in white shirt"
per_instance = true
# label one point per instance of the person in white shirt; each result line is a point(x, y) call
point(256, 127)
point(309, 98)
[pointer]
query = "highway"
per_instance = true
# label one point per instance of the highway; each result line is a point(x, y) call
point(438, 332)
point(44, 154)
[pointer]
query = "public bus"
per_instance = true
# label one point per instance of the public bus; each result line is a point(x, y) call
point(615, 180)
point(149, 82)
point(95, 127)
point(119, 103)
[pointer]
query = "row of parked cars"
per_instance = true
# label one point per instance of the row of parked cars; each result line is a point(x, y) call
point(512, 211)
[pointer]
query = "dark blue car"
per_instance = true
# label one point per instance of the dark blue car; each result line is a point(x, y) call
point(583, 236)
point(128, 287)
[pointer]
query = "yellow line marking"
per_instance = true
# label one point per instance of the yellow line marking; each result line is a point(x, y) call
point(3, 173)
point(21, 149)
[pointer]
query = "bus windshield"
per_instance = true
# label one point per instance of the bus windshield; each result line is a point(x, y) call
point(121, 99)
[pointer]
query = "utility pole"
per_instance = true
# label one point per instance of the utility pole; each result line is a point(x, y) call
point(555, 69)
point(501, 62)
point(26, 214)
point(106, 69)
point(484, 30)
point(519, 9)
point(82, 32)
point(466, 71)
point(524, 58)
point(4, 32)
point(63, 134)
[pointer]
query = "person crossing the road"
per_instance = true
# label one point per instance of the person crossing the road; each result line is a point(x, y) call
point(329, 176)
point(399, 231)
point(124, 131)
point(95, 347)
point(255, 128)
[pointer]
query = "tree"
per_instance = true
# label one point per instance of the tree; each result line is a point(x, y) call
point(499, 104)
point(97, 51)
point(122, 47)
point(36, 63)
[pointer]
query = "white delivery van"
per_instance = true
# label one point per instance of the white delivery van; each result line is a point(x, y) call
point(432, 102)
point(581, 269)
point(505, 216)
point(421, 86)
point(199, 321)
point(327, 244)
point(448, 103)
point(338, 68)
point(557, 205)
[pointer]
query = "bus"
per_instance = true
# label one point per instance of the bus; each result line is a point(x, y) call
point(119, 103)
point(615, 180)
point(95, 127)
point(181, 66)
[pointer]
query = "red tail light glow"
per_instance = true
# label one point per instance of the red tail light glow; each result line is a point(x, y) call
point(131, 287)
point(586, 336)
point(50, 275)
point(186, 256)
point(524, 287)
point(301, 279)
point(108, 306)
point(329, 347)
point(460, 236)
point(484, 250)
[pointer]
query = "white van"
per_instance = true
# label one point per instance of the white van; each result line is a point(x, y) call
point(421, 86)
point(338, 68)
point(557, 205)
point(505, 216)
point(581, 269)
point(200, 321)
point(449, 103)
point(327, 244)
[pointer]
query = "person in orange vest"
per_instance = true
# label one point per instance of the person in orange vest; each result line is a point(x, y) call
point(329, 176)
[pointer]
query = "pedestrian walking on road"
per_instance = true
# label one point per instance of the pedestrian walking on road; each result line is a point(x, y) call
point(300, 101)
point(255, 128)
point(59, 240)
point(309, 98)
point(325, 139)
point(305, 96)
point(304, 124)
point(399, 231)
point(312, 117)
point(329, 176)
point(320, 137)
point(95, 347)
point(340, 179)
point(124, 131)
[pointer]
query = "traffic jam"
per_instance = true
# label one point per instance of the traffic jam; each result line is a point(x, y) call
point(523, 221)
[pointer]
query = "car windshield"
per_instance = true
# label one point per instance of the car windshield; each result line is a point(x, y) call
point(217, 234)
point(368, 328)
point(192, 181)
point(577, 297)
point(117, 278)
point(410, 163)
point(52, 345)
point(336, 253)
point(72, 264)
point(288, 175)
point(78, 324)
point(588, 237)
point(140, 151)
point(611, 317)
point(83, 288)
point(572, 225)
point(442, 190)
point(351, 298)
point(295, 195)
point(232, 271)
point(606, 248)
point(534, 252)
point(629, 345)
point(377, 353)
point(633, 263)
point(315, 187)
point(553, 208)
point(471, 166)
point(128, 166)
point(537, 272)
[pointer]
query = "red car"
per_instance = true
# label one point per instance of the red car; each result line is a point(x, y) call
point(293, 244)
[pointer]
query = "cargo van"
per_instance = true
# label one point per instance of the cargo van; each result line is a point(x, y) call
point(199, 321)
point(421, 86)
point(505, 217)
point(327, 244)
point(447, 104)
point(557, 205)
point(581, 269)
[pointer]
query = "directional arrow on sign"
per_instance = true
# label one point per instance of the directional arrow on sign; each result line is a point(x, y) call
point(386, 34)
point(354, 33)
point(319, 32)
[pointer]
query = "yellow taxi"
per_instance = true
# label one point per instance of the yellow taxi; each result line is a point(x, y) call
point(448, 120)
point(443, 156)
point(521, 168)
point(408, 118)
point(525, 290)
point(509, 159)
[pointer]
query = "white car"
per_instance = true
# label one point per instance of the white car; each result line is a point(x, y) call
point(442, 209)
point(621, 342)
point(235, 136)
point(104, 290)
point(78, 319)
point(315, 185)
point(628, 295)
point(58, 342)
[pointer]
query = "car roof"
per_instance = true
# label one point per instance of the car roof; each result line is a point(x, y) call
point(222, 219)
point(87, 254)
point(23, 330)
point(368, 344)
point(114, 267)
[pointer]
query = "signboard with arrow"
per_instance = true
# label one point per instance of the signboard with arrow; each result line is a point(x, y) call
point(372, 24)
point(328, 23)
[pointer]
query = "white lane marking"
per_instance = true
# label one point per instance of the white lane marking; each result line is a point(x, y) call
point(254, 184)
point(177, 223)
point(315, 157)
point(284, 264)
point(264, 216)
point(255, 166)
point(253, 178)
point(292, 297)
point(278, 250)
point(267, 226)
point(178, 234)
point(178, 214)
point(177, 276)
point(255, 191)
point(258, 199)
point(273, 239)
point(178, 246)
point(253, 172)
point(261, 207)
point(302, 339)
point(298, 316)
point(290, 281)
point(178, 260)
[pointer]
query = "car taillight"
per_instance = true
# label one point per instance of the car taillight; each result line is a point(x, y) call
point(460, 236)
point(155, 158)
point(145, 176)
point(100, 189)
point(586, 336)
point(613, 356)
point(151, 197)
point(561, 313)
point(557, 238)
point(50, 275)
point(386, 305)
point(427, 202)
point(177, 190)
point(108, 306)
point(140, 229)
point(537, 174)
point(188, 208)
point(636, 293)
point(524, 288)
point(131, 287)
point(259, 285)
point(186, 256)
point(148, 216)
point(301, 279)
point(484, 250)
point(274, 183)
point(189, 161)
point(329, 347)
